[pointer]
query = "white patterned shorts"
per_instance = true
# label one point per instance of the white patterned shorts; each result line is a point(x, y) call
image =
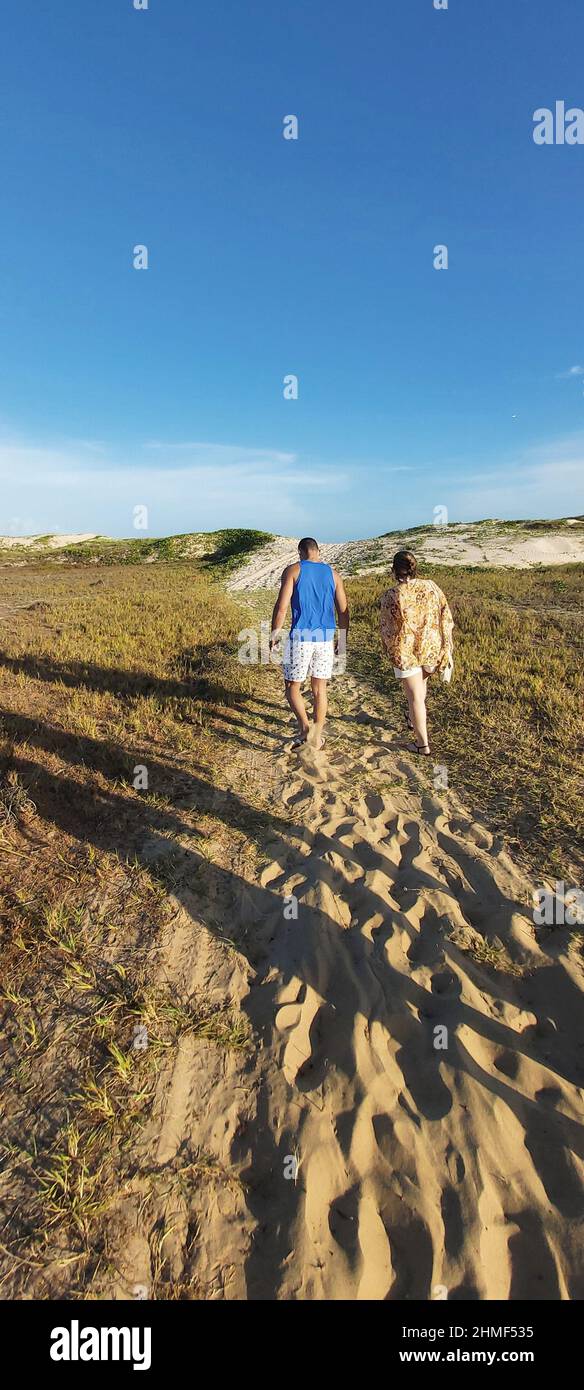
point(411, 671)
point(303, 659)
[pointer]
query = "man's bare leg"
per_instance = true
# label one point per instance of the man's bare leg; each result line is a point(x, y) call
point(296, 702)
point(319, 695)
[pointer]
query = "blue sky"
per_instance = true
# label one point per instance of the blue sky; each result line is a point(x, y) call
point(418, 388)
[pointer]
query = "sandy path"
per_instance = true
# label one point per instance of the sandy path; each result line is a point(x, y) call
point(421, 1169)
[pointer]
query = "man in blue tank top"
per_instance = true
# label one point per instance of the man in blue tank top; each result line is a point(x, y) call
point(318, 601)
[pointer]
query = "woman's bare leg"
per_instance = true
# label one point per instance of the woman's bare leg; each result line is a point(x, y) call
point(416, 687)
point(406, 698)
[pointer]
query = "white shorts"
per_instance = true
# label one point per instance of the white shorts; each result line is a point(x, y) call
point(412, 671)
point(302, 659)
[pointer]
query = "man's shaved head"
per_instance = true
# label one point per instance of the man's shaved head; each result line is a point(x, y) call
point(308, 547)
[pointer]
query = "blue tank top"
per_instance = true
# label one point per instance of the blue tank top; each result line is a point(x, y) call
point(313, 602)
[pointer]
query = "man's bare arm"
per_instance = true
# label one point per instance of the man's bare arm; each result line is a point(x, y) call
point(341, 603)
point(282, 601)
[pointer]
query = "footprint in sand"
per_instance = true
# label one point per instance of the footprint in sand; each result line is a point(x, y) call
point(455, 1165)
point(446, 984)
point(418, 1166)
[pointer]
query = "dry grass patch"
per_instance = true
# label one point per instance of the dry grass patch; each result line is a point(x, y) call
point(96, 686)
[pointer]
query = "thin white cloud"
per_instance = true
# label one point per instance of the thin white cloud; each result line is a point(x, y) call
point(220, 453)
point(545, 480)
point(211, 486)
point(572, 371)
point(94, 446)
point(228, 485)
point(399, 468)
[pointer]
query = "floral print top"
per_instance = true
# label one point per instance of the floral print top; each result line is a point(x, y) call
point(416, 625)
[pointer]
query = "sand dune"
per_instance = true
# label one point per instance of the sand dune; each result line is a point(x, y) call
point(56, 542)
point(520, 545)
point(354, 1158)
point(479, 544)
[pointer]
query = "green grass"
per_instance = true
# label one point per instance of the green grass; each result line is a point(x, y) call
point(230, 548)
point(218, 551)
point(493, 526)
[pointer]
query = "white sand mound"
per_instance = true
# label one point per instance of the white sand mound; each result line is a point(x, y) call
point(45, 542)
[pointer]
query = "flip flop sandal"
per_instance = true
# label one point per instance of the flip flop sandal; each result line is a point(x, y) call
point(423, 749)
point(299, 741)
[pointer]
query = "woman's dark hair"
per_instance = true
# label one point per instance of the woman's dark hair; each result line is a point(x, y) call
point(405, 565)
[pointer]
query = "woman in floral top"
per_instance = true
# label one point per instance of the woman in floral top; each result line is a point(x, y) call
point(416, 631)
